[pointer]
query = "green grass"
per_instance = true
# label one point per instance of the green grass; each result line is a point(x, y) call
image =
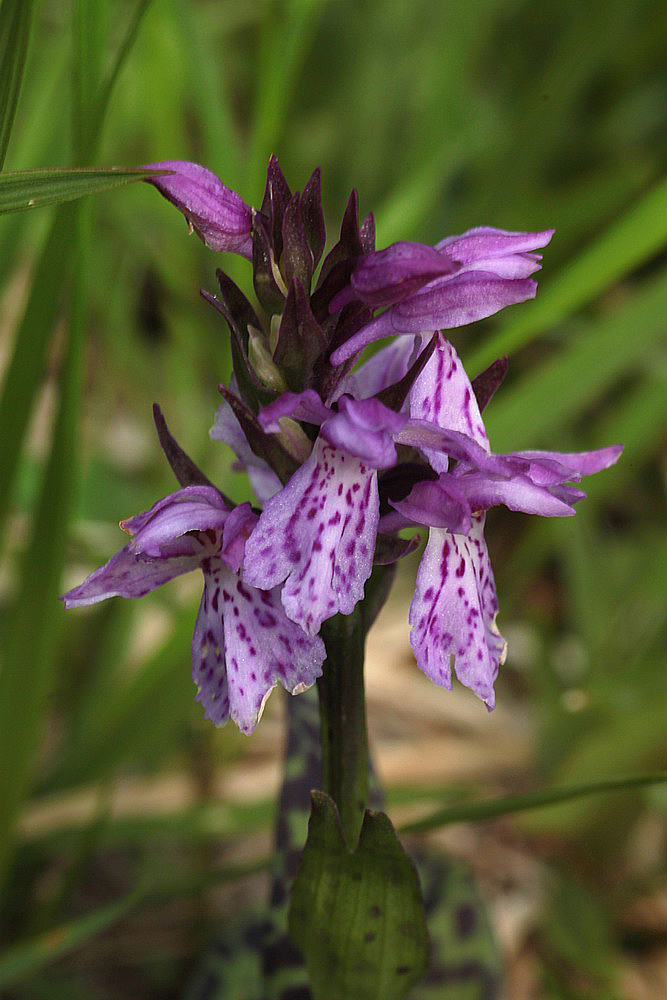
point(444, 116)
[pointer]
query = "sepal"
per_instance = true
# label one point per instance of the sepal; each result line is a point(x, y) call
point(487, 382)
point(186, 471)
point(313, 215)
point(277, 196)
point(301, 339)
point(297, 257)
point(266, 276)
point(265, 446)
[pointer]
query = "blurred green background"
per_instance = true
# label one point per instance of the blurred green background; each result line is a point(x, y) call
point(443, 116)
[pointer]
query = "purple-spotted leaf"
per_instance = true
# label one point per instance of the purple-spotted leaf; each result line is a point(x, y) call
point(357, 917)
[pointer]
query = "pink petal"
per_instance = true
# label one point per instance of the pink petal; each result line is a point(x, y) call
point(443, 395)
point(318, 535)
point(244, 645)
point(454, 612)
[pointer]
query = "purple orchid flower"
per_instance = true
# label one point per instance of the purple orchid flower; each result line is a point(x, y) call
point(317, 535)
point(401, 442)
point(454, 609)
point(243, 642)
point(217, 214)
point(459, 281)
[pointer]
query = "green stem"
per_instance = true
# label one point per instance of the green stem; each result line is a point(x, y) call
point(343, 721)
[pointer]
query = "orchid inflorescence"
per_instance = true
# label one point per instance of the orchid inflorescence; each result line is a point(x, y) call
point(341, 458)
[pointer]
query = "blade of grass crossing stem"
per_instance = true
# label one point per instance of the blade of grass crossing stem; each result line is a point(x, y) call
point(37, 618)
point(15, 18)
point(629, 242)
point(472, 812)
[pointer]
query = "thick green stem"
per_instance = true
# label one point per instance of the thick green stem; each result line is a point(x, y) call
point(343, 721)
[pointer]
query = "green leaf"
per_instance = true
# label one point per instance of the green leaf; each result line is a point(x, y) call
point(493, 808)
point(357, 918)
point(122, 54)
point(14, 33)
point(24, 189)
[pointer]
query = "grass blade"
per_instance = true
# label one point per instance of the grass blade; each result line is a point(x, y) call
point(631, 241)
point(15, 18)
point(28, 957)
point(472, 812)
point(24, 189)
point(590, 364)
point(124, 50)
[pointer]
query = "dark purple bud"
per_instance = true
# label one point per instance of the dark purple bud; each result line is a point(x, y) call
point(265, 446)
point(251, 389)
point(267, 279)
point(313, 215)
point(277, 197)
point(390, 548)
point(367, 234)
point(297, 257)
point(300, 339)
point(186, 471)
point(218, 215)
point(345, 252)
point(485, 384)
point(395, 395)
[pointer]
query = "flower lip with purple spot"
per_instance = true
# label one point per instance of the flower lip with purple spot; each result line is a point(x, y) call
point(243, 643)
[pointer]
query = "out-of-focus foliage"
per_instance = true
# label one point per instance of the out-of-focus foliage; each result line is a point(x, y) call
point(443, 116)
